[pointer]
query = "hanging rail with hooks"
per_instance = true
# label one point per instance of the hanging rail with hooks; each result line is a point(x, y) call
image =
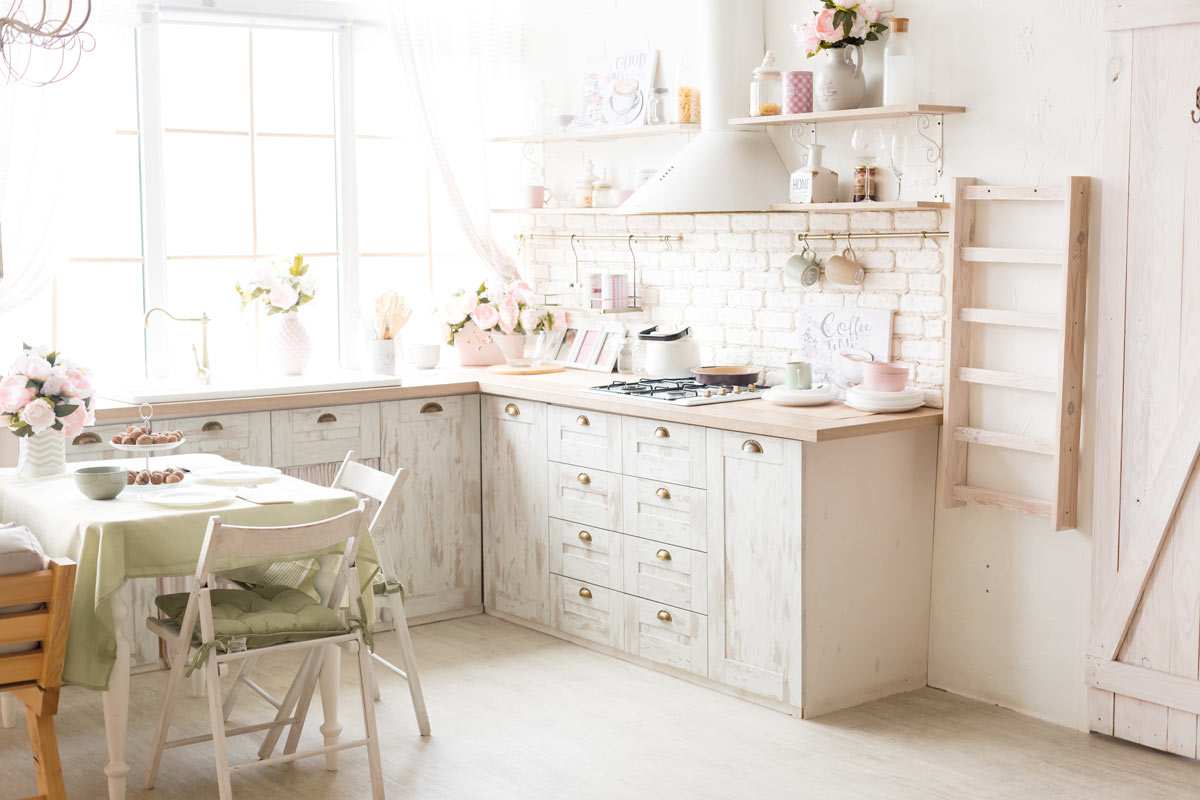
point(833, 237)
point(576, 289)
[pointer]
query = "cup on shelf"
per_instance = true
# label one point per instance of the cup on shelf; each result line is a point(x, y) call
point(533, 195)
point(423, 356)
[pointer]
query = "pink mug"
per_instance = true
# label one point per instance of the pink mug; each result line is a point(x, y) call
point(533, 196)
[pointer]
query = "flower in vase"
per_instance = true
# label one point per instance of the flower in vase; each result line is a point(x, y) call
point(824, 27)
point(38, 414)
point(466, 304)
point(485, 316)
point(522, 291)
point(75, 383)
point(530, 317)
point(284, 294)
point(73, 423)
point(509, 311)
point(14, 394)
point(806, 37)
point(868, 12)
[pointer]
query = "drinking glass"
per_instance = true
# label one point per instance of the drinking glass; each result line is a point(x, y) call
point(867, 142)
point(901, 145)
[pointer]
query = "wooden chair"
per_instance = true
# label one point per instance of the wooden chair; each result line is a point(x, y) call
point(279, 544)
point(34, 675)
point(385, 489)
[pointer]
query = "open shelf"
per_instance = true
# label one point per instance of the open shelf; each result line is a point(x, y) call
point(541, 211)
point(863, 205)
point(602, 134)
point(852, 115)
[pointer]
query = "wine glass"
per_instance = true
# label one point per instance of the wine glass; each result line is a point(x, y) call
point(898, 152)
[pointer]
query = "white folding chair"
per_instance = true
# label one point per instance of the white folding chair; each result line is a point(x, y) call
point(283, 543)
point(385, 489)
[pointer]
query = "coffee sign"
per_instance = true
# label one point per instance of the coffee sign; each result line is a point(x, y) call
point(826, 332)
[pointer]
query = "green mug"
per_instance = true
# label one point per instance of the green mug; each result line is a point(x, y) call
point(797, 375)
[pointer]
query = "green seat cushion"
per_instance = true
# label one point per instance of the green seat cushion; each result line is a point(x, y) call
point(263, 616)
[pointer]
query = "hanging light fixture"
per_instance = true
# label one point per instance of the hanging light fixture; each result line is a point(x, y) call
point(39, 46)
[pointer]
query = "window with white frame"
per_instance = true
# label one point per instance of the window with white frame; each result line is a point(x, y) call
point(234, 157)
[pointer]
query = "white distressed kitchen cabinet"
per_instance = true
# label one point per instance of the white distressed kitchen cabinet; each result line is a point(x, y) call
point(435, 539)
point(516, 576)
point(322, 435)
point(245, 438)
point(589, 611)
point(586, 496)
point(666, 635)
point(588, 439)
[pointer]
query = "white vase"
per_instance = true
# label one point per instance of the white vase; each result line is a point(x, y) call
point(42, 454)
point(293, 347)
point(838, 84)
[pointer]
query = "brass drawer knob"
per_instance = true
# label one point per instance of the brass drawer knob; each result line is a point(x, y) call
point(582, 420)
point(583, 478)
point(325, 418)
point(431, 408)
point(663, 555)
point(211, 426)
point(87, 438)
point(512, 410)
point(663, 493)
point(751, 446)
point(664, 615)
point(662, 433)
point(585, 593)
point(584, 536)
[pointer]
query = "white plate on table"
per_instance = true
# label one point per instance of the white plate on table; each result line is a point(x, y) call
point(818, 395)
point(885, 402)
point(238, 474)
point(188, 497)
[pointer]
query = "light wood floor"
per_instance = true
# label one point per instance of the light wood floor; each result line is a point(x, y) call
point(517, 714)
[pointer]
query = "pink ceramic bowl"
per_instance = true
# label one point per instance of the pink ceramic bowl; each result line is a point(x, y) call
point(879, 376)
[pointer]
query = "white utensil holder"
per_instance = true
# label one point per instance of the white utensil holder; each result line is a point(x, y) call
point(382, 356)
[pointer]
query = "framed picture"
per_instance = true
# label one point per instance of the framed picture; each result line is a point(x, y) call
point(562, 353)
point(593, 347)
point(615, 89)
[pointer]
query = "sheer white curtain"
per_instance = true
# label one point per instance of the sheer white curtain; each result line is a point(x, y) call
point(47, 144)
point(461, 62)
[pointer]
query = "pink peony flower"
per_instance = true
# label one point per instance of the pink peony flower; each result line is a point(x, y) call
point(806, 37)
point(485, 316)
point(74, 422)
point(38, 414)
point(284, 295)
point(509, 311)
point(529, 319)
point(452, 312)
point(13, 394)
point(37, 368)
point(860, 28)
point(76, 384)
point(824, 28)
point(522, 291)
point(559, 323)
point(56, 382)
point(868, 12)
point(467, 303)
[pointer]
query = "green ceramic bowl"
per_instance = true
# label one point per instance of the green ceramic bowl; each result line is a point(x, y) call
point(101, 483)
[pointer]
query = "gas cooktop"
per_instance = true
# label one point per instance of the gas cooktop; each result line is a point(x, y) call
point(681, 391)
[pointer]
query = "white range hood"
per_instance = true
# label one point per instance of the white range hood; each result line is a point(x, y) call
point(723, 169)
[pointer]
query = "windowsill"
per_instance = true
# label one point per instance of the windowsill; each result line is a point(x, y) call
point(172, 390)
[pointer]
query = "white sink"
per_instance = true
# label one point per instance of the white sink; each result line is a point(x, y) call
point(172, 391)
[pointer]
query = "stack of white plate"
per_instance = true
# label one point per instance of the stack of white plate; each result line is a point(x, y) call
point(885, 402)
point(818, 395)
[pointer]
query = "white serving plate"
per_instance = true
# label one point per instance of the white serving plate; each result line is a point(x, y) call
point(238, 475)
point(885, 402)
point(188, 497)
point(146, 448)
point(816, 396)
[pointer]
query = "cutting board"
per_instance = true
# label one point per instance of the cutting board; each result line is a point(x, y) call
point(505, 369)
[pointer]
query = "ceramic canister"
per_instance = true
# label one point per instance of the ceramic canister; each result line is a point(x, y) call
point(797, 92)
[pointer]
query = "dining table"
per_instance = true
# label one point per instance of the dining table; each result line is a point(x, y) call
point(136, 536)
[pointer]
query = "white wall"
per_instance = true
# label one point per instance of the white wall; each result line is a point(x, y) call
point(1010, 598)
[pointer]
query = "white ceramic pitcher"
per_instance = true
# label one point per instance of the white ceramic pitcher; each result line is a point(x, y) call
point(838, 84)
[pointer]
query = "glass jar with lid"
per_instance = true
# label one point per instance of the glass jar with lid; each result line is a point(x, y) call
point(656, 107)
point(582, 198)
point(602, 194)
point(766, 89)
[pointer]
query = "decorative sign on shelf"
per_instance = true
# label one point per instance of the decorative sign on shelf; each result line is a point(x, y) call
point(615, 90)
point(826, 332)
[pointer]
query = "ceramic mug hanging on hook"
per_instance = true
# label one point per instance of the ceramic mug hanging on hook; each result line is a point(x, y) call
point(805, 267)
point(843, 269)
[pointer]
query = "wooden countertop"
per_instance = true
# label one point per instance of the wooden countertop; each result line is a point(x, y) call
point(563, 388)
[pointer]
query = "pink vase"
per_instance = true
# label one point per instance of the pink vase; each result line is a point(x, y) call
point(293, 347)
point(475, 348)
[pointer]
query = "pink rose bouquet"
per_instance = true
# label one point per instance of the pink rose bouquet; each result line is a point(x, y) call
point(507, 309)
point(43, 391)
point(282, 286)
point(838, 25)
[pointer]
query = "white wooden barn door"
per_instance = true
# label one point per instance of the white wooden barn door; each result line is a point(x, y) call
point(1143, 663)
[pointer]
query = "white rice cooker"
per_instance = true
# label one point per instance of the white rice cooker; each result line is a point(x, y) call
point(669, 354)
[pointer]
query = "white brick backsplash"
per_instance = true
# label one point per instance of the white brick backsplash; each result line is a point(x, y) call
point(746, 297)
point(712, 222)
point(735, 241)
point(787, 222)
point(917, 220)
point(748, 222)
point(774, 241)
point(919, 261)
point(726, 279)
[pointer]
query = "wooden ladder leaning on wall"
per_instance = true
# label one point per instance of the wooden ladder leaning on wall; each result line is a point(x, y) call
point(1066, 386)
point(34, 676)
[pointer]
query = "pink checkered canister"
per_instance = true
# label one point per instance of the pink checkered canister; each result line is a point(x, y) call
point(797, 92)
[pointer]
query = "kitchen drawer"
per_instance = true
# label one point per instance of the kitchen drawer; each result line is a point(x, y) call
point(665, 512)
point(585, 438)
point(664, 451)
point(304, 436)
point(586, 553)
point(588, 611)
point(244, 438)
point(666, 574)
point(431, 408)
point(751, 447)
point(587, 496)
point(666, 634)
point(507, 409)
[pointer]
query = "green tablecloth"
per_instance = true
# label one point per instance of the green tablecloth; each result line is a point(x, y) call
point(115, 540)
